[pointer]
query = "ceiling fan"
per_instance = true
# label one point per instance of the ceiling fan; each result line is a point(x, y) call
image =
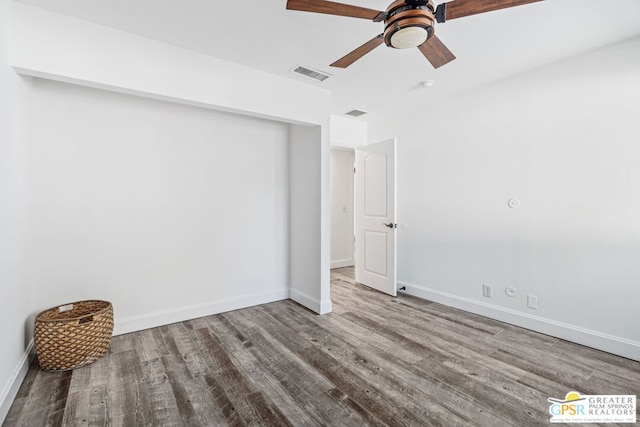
point(407, 23)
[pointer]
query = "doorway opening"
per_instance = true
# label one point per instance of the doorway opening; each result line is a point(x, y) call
point(363, 214)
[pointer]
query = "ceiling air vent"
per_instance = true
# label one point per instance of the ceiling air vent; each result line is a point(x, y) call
point(356, 113)
point(309, 72)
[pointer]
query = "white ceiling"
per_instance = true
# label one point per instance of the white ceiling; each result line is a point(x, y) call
point(264, 35)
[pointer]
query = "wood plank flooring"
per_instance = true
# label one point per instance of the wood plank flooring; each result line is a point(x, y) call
point(375, 361)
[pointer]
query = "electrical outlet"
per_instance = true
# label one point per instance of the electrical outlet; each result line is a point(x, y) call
point(487, 291)
point(532, 302)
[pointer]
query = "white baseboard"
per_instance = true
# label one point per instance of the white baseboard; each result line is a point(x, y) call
point(313, 304)
point(341, 263)
point(10, 390)
point(326, 307)
point(601, 341)
point(179, 314)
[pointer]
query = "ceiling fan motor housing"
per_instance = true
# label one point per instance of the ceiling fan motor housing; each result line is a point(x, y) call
point(409, 23)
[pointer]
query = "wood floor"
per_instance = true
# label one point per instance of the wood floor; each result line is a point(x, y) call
point(376, 360)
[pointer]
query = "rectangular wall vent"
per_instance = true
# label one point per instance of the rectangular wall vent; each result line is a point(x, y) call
point(356, 113)
point(309, 72)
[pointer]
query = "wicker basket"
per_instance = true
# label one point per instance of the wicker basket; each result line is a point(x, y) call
point(73, 335)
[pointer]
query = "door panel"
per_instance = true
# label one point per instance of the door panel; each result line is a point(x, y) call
point(375, 185)
point(375, 258)
point(375, 254)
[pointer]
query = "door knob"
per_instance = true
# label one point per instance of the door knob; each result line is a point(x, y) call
point(391, 225)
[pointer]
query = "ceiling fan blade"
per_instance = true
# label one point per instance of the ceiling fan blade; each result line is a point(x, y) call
point(358, 53)
point(436, 52)
point(459, 8)
point(332, 8)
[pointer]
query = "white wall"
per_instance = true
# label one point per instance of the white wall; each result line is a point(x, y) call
point(564, 140)
point(166, 210)
point(342, 161)
point(309, 266)
point(347, 132)
point(127, 193)
point(60, 47)
point(15, 302)
point(63, 48)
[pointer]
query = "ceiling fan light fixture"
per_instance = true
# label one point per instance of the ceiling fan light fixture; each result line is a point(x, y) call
point(409, 23)
point(400, 18)
point(408, 37)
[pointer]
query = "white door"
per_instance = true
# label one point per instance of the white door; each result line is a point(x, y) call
point(375, 256)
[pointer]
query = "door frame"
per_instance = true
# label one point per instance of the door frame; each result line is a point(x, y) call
point(344, 262)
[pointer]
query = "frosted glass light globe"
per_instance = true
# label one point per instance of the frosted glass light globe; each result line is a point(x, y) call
point(408, 37)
